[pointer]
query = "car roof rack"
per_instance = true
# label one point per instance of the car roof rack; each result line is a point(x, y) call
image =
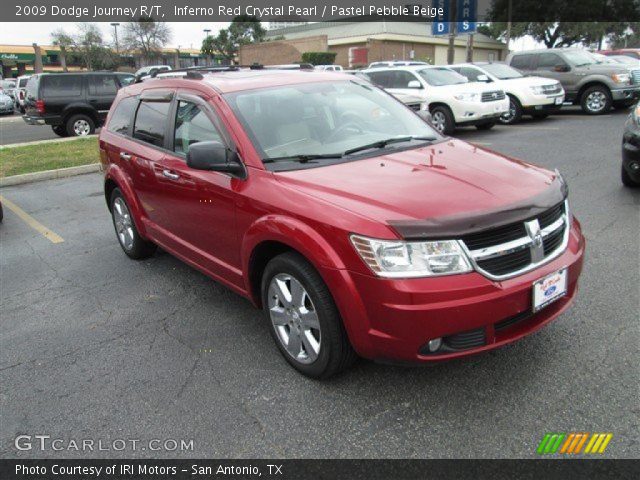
point(195, 73)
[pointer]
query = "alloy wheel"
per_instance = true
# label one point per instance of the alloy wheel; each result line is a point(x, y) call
point(439, 121)
point(81, 127)
point(123, 223)
point(510, 114)
point(294, 318)
point(596, 101)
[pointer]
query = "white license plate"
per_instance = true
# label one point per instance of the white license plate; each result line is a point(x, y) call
point(549, 289)
point(559, 101)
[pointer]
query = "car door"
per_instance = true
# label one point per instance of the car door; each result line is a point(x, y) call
point(552, 65)
point(101, 92)
point(198, 207)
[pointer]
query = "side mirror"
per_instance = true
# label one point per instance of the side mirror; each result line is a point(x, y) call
point(414, 84)
point(561, 68)
point(425, 115)
point(483, 78)
point(214, 156)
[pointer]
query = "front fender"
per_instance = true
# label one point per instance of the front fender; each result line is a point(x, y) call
point(122, 180)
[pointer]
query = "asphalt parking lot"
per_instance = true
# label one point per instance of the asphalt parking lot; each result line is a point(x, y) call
point(14, 130)
point(97, 346)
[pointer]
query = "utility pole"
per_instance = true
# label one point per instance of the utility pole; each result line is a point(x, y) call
point(470, 48)
point(115, 26)
point(452, 31)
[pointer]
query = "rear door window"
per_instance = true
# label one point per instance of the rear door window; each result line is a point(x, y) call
point(62, 86)
point(547, 61)
point(102, 85)
point(151, 121)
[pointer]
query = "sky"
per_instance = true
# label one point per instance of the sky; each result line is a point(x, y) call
point(185, 34)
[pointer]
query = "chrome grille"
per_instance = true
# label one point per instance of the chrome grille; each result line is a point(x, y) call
point(493, 96)
point(551, 89)
point(516, 248)
point(635, 77)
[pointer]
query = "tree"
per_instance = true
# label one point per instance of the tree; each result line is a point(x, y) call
point(146, 36)
point(86, 45)
point(244, 29)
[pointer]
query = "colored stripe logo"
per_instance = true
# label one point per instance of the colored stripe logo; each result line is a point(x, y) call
point(573, 443)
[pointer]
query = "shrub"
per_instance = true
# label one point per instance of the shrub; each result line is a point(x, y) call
point(319, 58)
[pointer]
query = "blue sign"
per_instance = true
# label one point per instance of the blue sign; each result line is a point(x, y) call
point(440, 25)
point(467, 16)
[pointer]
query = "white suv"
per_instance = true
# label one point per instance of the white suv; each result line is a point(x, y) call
point(453, 101)
point(535, 96)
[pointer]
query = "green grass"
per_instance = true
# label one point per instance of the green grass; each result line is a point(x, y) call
point(48, 156)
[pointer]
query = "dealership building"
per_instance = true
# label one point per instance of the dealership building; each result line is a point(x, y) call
point(357, 44)
point(17, 60)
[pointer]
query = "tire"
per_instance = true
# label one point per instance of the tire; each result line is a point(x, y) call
point(128, 237)
point(442, 120)
point(515, 112)
point(486, 126)
point(80, 125)
point(596, 100)
point(290, 272)
point(539, 116)
point(627, 181)
point(60, 130)
point(1, 213)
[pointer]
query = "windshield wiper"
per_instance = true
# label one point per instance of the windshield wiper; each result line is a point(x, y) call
point(303, 157)
point(388, 141)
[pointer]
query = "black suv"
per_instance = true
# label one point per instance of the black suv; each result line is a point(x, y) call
point(74, 104)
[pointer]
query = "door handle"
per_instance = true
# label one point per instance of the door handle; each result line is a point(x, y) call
point(125, 156)
point(170, 174)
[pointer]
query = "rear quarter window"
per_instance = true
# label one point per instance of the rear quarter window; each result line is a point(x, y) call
point(62, 86)
point(123, 115)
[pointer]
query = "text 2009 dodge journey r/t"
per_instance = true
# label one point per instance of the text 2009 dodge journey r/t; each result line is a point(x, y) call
point(356, 227)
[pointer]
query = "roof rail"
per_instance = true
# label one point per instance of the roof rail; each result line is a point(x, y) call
point(196, 72)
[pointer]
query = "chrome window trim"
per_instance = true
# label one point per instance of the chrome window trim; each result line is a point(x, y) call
point(518, 244)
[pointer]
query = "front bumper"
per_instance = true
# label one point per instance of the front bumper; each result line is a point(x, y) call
point(625, 93)
point(392, 320)
point(474, 113)
point(631, 149)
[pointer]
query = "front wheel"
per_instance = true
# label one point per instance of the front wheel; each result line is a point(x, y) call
point(130, 240)
point(514, 114)
point(596, 100)
point(303, 318)
point(442, 120)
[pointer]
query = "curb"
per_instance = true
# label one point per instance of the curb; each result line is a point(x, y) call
point(49, 174)
point(41, 142)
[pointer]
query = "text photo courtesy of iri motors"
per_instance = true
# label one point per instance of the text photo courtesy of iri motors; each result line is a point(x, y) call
point(304, 240)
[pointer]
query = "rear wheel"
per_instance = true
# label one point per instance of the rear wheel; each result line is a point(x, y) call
point(596, 100)
point(303, 318)
point(80, 126)
point(130, 240)
point(627, 181)
point(442, 120)
point(514, 114)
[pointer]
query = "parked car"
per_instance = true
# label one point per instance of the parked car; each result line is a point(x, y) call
point(356, 227)
point(74, 104)
point(594, 86)
point(453, 101)
point(396, 63)
point(8, 86)
point(535, 96)
point(329, 68)
point(630, 172)
point(629, 52)
point(145, 72)
point(6, 104)
point(413, 102)
point(21, 92)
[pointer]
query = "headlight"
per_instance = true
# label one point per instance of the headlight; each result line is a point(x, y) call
point(467, 97)
point(400, 259)
point(537, 89)
point(621, 77)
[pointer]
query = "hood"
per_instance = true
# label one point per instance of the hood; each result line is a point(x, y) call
point(530, 81)
point(604, 68)
point(450, 179)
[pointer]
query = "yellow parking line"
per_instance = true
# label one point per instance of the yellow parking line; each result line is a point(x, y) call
point(32, 222)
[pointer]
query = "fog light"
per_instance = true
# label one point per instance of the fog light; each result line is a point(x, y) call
point(434, 344)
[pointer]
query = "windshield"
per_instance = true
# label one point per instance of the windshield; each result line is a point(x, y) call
point(328, 119)
point(438, 77)
point(578, 58)
point(501, 71)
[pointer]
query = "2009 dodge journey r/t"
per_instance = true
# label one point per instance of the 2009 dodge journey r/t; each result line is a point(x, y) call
point(353, 224)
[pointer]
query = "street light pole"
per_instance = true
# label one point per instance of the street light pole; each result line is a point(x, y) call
point(207, 31)
point(115, 26)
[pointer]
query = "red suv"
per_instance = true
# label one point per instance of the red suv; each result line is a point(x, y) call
point(353, 224)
